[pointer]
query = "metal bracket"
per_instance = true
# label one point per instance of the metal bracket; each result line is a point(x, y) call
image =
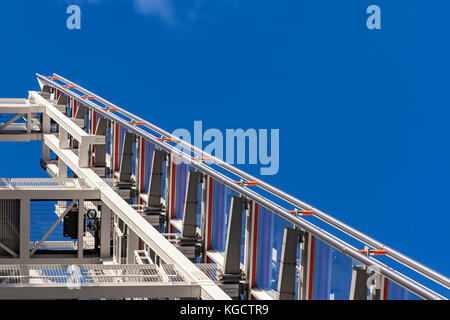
point(231, 265)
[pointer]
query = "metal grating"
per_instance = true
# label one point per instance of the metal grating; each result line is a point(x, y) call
point(45, 183)
point(55, 245)
point(15, 275)
point(211, 270)
point(13, 101)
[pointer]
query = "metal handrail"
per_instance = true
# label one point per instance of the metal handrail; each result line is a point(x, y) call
point(307, 226)
point(390, 252)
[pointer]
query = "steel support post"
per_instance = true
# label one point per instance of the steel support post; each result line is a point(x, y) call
point(286, 278)
point(306, 262)
point(132, 245)
point(154, 188)
point(80, 228)
point(231, 265)
point(100, 149)
point(127, 155)
point(189, 229)
point(105, 232)
point(358, 289)
point(24, 230)
point(204, 218)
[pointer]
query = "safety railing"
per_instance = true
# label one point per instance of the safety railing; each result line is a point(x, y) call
point(134, 124)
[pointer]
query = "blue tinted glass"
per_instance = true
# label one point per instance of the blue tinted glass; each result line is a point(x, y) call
point(221, 206)
point(149, 148)
point(180, 187)
point(133, 159)
point(396, 292)
point(108, 138)
point(270, 243)
point(332, 273)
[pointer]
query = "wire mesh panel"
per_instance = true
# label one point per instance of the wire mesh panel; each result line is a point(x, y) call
point(9, 227)
point(269, 248)
point(44, 215)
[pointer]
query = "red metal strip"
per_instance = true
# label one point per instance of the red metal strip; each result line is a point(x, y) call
point(210, 209)
point(94, 129)
point(116, 147)
point(255, 245)
point(172, 194)
point(142, 164)
point(311, 268)
point(386, 288)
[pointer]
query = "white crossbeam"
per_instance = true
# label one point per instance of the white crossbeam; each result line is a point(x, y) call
point(159, 244)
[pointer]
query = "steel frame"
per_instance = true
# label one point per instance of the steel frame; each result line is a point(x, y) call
point(80, 162)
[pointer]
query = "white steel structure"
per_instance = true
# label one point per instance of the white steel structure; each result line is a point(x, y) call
point(109, 224)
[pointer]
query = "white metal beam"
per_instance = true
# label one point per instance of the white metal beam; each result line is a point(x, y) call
point(159, 244)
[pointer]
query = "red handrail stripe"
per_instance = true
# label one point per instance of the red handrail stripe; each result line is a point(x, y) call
point(210, 209)
point(255, 245)
point(142, 177)
point(311, 268)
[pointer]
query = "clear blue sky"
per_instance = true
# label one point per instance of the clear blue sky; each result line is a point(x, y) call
point(363, 114)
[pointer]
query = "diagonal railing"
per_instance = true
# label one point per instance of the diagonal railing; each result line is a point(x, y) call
point(306, 225)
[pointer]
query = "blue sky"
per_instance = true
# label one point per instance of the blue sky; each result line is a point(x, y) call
point(363, 114)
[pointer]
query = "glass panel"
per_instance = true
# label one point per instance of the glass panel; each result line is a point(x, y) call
point(108, 138)
point(396, 292)
point(133, 159)
point(122, 132)
point(332, 273)
point(270, 243)
point(221, 207)
point(180, 188)
point(149, 148)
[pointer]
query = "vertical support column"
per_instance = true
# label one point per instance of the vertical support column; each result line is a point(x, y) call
point(24, 230)
point(358, 289)
point(286, 279)
point(189, 229)
point(250, 230)
point(154, 189)
point(45, 130)
point(231, 265)
point(307, 252)
point(62, 169)
point(170, 198)
point(83, 155)
point(100, 149)
point(132, 245)
point(105, 232)
point(127, 154)
point(115, 138)
point(205, 217)
point(140, 168)
point(80, 227)
point(63, 138)
point(251, 243)
point(28, 122)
